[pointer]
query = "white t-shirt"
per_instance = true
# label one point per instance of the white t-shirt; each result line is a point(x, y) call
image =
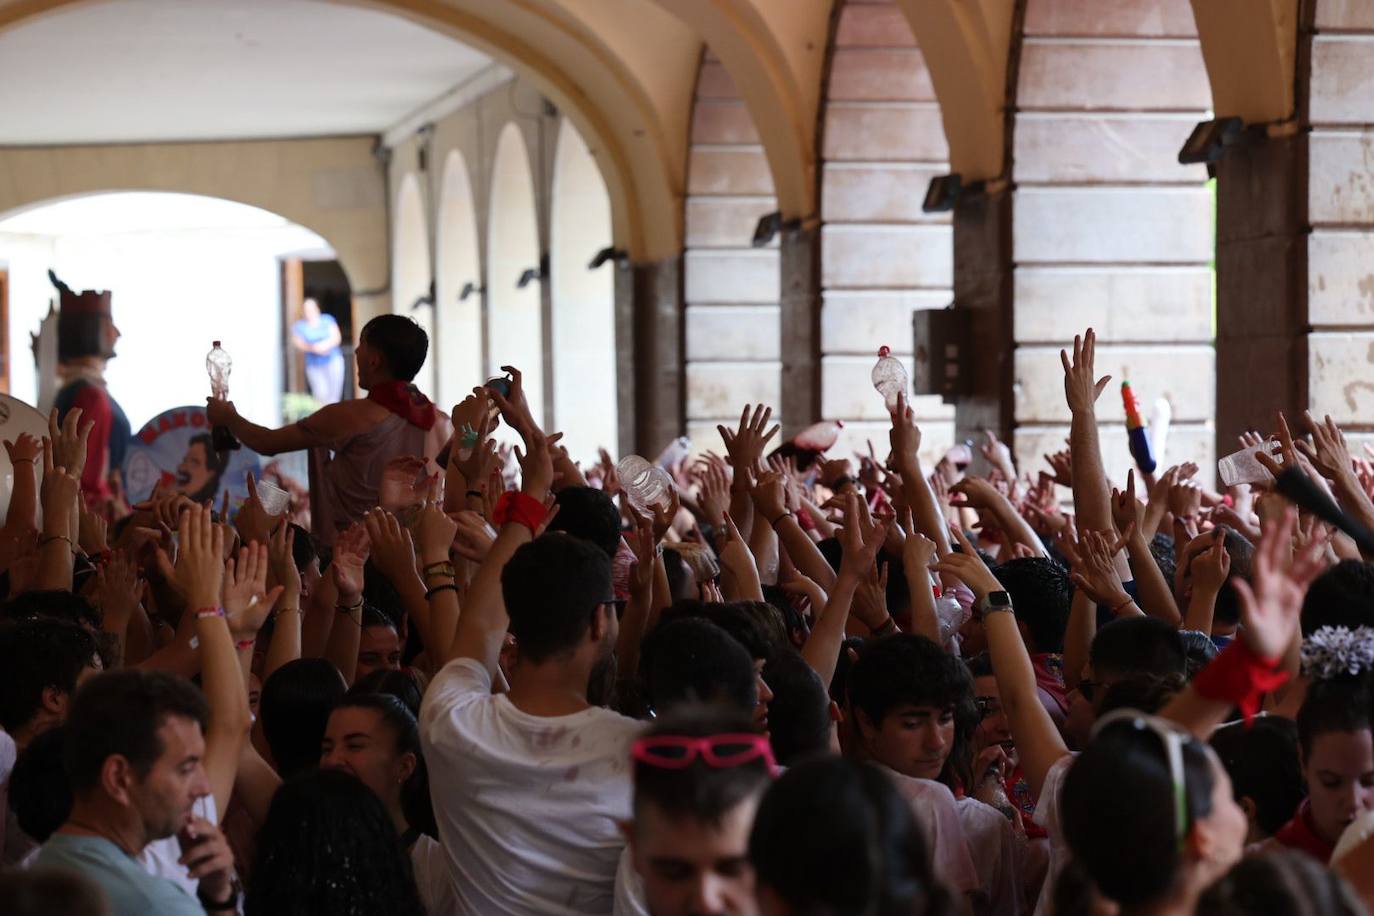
point(159, 858)
point(1047, 816)
point(432, 877)
point(8, 829)
point(938, 816)
point(992, 844)
point(528, 806)
point(629, 888)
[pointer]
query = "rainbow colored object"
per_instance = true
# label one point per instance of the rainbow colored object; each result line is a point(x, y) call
point(1137, 435)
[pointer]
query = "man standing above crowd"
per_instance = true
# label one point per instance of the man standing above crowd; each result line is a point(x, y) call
point(354, 440)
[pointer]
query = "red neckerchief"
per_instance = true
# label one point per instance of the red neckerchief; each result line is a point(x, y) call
point(1298, 834)
point(405, 401)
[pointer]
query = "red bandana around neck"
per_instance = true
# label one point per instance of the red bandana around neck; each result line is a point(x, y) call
point(1299, 834)
point(405, 401)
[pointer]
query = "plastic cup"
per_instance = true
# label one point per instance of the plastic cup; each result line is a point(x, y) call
point(1243, 467)
point(274, 499)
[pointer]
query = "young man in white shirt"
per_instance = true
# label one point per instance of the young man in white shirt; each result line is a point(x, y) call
point(529, 786)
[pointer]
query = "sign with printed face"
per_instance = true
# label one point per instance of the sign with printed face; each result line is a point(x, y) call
point(172, 452)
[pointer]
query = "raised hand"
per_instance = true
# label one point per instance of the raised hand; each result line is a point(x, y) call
point(1271, 603)
point(770, 496)
point(643, 542)
point(404, 483)
point(998, 455)
point(118, 590)
point(392, 550)
point(968, 567)
point(905, 436)
point(253, 523)
point(1095, 572)
point(862, 538)
point(472, 537)
point(199, 570)
point(536, 468)
point(69, 441)
point(434, 532)
point(26, 448)
point(1328, 452)
point(976, 493)
point(1080, 388)
point(1061, 463)
point(1126, 510)
point(713, 478)
point(247, 600)
point(1185, 499)
point(1210, 567)
point(350, 554)
point(745, 445)
point(281, 562)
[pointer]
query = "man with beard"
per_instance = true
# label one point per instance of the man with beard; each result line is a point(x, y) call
point(86, 337)
point(529, 786)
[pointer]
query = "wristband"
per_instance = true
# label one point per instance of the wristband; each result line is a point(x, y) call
point(519, 508)
point(476, 493)
point(245, 644)
point(48, 539)
point(285, 610)
point(203, 613)
point(447, 587)
point(808, 524)
point(886, 628)
point(774, 522)
point(442, 568)
point(840, 482)
point(1240, 677)
point(33, 461)
point(1122, 606)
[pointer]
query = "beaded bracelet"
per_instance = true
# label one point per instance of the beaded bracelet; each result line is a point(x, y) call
point(442, 568)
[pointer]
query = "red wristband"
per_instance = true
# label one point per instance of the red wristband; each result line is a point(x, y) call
point(805, 520)
point(245, 644)
point(1240, 677)
point(514, 506)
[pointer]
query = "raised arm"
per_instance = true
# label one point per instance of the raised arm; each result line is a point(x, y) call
point(745, 446)
point(1153, 594)
point(1210, 569)
point(57, 545)
point(285, 645)
point(635, 622)
point(906, 444)
point(770, 505)
point(982, 495)
point(346, 568)
point(1271, 606)
point(1091, 498)
point(862, 540)
point(1330, 455)
point(24, 453)
point(1038, 741)
point(482, 626)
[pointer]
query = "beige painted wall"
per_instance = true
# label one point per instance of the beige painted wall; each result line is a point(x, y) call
point(332, 186)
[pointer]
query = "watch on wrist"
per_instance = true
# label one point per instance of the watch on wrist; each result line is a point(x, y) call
point(992, 603)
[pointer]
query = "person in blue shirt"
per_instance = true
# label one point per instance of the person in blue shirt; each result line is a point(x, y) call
point(317, 336)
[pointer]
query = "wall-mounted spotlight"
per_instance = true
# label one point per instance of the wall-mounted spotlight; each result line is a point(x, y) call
point(942, 193)
point(1209, 140)
point(531, 274)
point(426, 299)
point(468, 289)
point(608, 254)
point(767, 229)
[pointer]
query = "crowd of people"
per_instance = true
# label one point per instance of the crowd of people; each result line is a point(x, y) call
point(795, 684)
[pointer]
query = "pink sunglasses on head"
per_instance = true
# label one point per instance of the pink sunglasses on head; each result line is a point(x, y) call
point(677, 752)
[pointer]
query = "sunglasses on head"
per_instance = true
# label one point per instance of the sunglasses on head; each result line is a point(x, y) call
point(677, 752)
point(1173, 738)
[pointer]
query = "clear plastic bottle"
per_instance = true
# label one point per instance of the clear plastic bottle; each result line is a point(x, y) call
point(646, 485)
point(820, 436)
point(1243, 467)
point(218, 365)
point(889, 377)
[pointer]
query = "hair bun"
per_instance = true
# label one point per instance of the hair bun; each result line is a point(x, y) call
point(1333, 652)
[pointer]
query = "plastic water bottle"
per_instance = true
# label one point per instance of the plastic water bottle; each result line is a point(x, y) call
point(950, 613)
point(218, 365)
point(647, 486)
point(889, 377)
point(1137, 436)
point(820, 436)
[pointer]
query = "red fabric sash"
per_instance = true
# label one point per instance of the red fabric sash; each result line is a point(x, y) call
point(1240, 677)
point(405, 401)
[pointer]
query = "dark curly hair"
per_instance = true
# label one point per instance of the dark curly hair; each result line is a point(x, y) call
point(1041, 595)
point(907, 669)
point(329, 848)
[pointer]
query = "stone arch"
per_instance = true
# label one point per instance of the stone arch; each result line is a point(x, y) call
point(458, 282)
point(412, 276)
point(583, 314)
point(515, 334)
point(882, 257)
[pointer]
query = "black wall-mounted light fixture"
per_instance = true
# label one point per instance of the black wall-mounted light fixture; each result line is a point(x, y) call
point(1209, 140)
point(942, 193)
point(426, 299)
point(767, 229)
point(609, 253)
point(468, 289)
point(540, 273)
